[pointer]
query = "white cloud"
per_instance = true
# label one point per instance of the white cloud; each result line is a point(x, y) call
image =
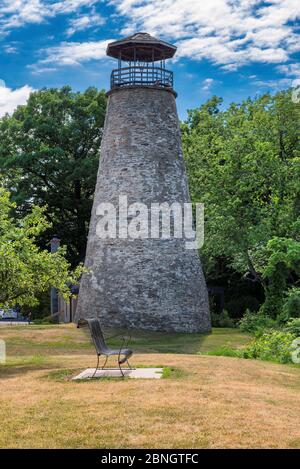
point(68, 6)
point(291, 70)
point(84, 22)
point(230, 33)
point(17, 13)
point(275, 85)
point(10, 99)
point(10, 49)
point(37, 69)
point(74, 53)
point(207, 84)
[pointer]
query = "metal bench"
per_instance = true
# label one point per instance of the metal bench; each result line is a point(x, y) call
point(123, 353)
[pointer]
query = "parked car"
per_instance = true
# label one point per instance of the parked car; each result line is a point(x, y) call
point(9, 313)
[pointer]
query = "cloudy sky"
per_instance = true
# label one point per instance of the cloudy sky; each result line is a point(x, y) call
point(232, 48)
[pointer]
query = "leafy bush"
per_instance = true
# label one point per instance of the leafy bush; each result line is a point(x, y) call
point(291, 306)
point(273, 345)
point(52, 319)
point(222, 319)
point(283, 260)
point(255, 322)
point(293, 326)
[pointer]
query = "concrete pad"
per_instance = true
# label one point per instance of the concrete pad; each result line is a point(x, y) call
point(140, 373)
point(13, 323)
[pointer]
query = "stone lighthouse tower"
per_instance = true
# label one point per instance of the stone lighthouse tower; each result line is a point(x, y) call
point(141, 282)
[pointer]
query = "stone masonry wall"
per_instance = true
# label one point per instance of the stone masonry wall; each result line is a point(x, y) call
point(153, 284)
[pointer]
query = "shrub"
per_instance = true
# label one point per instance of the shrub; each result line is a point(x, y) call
point(291, 306)
point(273, 345)
point(293, 326)
point(222, 319)
point(283, 260)
point(255, 322)
point(52, 319)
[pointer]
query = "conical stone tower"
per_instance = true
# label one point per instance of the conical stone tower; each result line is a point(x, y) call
point(142, 283)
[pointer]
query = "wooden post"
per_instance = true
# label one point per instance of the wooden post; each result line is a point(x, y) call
point(54, 243)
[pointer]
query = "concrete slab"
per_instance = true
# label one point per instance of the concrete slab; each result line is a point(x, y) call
point(14, 323)
point(137, 373)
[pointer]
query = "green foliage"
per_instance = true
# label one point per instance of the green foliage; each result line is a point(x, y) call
point(49, 319)
point(291, 305)
point(293, 326)
point(222, 319)
point(255, 322)
point(273, 345)
point(62, 375)
point(25, 269)
point(41, 309)
point(283, 262)
point(49, 154)
point(226, 352)
point(243, 163)
point(170, 372)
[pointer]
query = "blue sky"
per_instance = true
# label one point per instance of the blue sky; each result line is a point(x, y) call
point(232, 48)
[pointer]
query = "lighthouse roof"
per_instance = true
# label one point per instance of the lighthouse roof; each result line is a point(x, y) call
point(141, 46)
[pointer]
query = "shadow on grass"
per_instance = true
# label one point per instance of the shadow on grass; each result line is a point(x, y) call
point(156, 342)
point(36, 348)
point(179, 343)
point(141, 342)
point(16, 367)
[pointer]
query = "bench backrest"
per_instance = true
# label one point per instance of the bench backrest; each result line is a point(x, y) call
point(97, 335)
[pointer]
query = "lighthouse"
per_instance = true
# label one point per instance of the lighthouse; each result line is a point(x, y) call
point(142, 280)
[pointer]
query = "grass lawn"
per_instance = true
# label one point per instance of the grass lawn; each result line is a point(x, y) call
point(205, 401)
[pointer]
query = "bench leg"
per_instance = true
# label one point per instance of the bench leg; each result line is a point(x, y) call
point(128, 365)
point(105, 362)
point(96, 369)
point(121, 369)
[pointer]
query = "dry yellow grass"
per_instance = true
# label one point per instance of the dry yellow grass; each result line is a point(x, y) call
point(214, 402)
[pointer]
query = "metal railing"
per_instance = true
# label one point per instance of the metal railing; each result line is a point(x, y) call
point(141, 76)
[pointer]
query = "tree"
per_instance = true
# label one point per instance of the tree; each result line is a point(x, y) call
point(49, 155)
point(244, 164)
point(282, 270)
point(25, 269)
